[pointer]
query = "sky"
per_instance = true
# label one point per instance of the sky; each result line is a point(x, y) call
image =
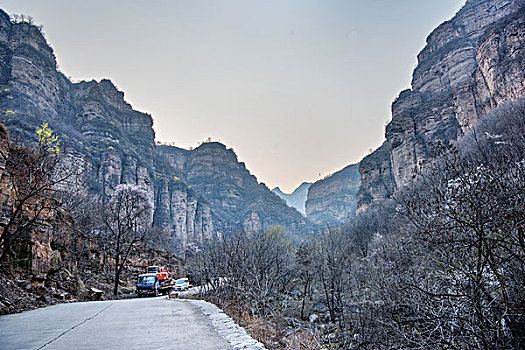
point(298, 88)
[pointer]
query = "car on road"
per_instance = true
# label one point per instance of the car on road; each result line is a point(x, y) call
point(182, 284)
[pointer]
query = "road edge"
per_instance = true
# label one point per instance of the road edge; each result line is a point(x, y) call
point(226, 327)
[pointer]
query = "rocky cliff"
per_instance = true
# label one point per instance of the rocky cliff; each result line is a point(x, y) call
point(333, 200)
point(117, 145)
point(470, 65)
point(93, 120)
point(46, 256)
point(237, 198)
point(296, 199)
point(42, 255)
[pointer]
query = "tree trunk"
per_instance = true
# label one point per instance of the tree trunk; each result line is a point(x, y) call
point(117, 274)
point(305, 292)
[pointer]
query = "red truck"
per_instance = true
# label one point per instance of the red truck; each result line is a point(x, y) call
point(161, 271)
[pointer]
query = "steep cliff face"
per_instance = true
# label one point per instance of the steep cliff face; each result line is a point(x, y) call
point(178, 209)
point(196, 194)
point(237, 198)
point(470, 65)
point(296, 199)
point(377, 179)
point(500, 54)
point(95, 124)
point(29, 66)
point(93, 117)
point(120, 139)
point(43, 254)
point(333, 199)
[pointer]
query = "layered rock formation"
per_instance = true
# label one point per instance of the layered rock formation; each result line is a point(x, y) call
point(237, 198)
point(93, 120)
point(192, 196)
point(296, 199)
point(470, 65)
point(333, 200)
point(44, 252)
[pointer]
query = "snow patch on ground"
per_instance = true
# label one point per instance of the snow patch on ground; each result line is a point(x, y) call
point(227, 328)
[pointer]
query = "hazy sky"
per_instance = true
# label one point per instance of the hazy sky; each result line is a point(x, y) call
point(299, 88)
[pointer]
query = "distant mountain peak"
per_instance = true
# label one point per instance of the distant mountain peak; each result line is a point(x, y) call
point(297, 198)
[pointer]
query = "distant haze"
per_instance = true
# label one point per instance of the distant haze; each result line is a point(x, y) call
point(299, 88)
point(297, 199)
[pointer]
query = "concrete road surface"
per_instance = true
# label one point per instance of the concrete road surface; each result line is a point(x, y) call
point(150, 323)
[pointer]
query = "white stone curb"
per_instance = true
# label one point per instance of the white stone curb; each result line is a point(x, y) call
point(227, 328)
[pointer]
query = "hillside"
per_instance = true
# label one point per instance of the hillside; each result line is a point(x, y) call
point(471, 64)
point(46, 257)
point(332, 200)
point(116, 144)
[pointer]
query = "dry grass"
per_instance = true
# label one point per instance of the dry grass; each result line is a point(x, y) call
point(274, 333)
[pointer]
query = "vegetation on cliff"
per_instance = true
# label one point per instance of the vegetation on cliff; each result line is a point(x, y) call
point(441, 265)
point(435, 257)
point(58, 241)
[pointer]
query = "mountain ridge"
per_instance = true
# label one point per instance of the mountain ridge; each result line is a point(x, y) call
point(117, 143)
point(215, 172)
point(471, 64)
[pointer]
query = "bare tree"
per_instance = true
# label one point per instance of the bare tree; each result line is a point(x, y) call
point(333, 266)
point(305, 261)
point(126, 220)
point(34, 176)
point(467, 222)
point(256, 269)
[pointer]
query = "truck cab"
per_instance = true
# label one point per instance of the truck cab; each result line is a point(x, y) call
point(147, 284)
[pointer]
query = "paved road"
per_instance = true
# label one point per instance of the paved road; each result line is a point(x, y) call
point(150, 323)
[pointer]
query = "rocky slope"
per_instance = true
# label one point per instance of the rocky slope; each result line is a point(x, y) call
point(470, 65)
point(117, 144)
point(296, 199)
point(50, 261)
point(333, 200)
point(237, 198)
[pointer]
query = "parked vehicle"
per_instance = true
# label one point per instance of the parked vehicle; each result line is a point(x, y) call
point(155, 281)
point(147, 284)
point(161, 271)
point(182, 284)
